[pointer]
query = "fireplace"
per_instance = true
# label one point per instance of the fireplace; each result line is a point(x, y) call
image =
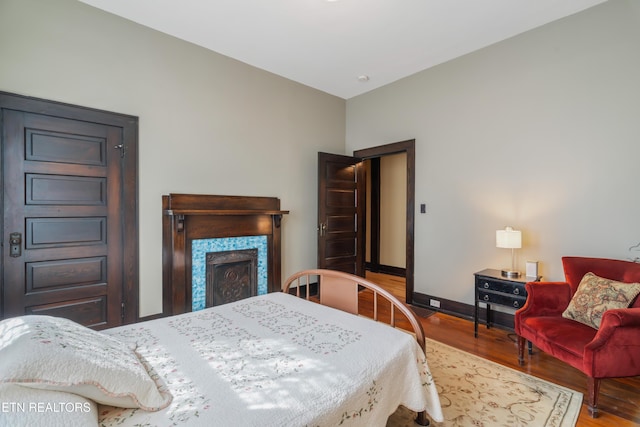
point(218, 249)
point(231, 276)
point(217, 253)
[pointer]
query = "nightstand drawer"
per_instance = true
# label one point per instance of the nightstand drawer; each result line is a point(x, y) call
point(505, 287)
point(501, 299)
point(492, 288)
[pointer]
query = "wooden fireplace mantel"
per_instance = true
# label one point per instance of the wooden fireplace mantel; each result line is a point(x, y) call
point(277, 215)
point(196, 216)
point(172, 212)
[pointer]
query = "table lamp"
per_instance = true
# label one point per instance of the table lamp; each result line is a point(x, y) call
point(509, 239)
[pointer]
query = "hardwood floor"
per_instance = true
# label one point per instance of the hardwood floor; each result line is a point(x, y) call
point(619, 400)
point(393, 284)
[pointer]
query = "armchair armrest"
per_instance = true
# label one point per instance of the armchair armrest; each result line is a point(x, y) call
point(615, 350)
point(546, 299)
point(611, 321)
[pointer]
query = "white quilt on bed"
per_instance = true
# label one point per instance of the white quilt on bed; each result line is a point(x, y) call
point(278, 360)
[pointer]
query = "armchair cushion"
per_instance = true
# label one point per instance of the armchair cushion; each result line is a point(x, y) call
point(595, 295)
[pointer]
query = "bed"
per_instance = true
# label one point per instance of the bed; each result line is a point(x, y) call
point(271, 360)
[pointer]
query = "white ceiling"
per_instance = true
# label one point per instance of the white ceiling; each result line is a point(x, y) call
point(328, 44)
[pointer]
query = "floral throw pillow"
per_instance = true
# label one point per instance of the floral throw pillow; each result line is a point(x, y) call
point(595, 295)
point(53, 353)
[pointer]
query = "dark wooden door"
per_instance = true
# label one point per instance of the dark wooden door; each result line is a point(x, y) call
point(341, 210)
point(64, 218)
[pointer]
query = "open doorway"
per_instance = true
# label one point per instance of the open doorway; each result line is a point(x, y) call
point(378, 195)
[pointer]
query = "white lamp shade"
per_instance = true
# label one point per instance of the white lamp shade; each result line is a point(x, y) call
point(508, 238)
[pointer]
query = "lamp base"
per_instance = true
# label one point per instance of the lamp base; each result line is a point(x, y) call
point(510, 273)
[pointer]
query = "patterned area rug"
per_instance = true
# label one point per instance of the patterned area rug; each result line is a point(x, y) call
point(480, 393)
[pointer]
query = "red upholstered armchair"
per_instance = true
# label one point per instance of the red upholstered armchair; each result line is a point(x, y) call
point(611, 351)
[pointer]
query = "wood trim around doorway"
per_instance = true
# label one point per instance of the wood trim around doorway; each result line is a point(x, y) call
point(408, 147)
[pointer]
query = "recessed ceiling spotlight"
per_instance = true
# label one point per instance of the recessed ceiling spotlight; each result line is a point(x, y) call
point(363, 78)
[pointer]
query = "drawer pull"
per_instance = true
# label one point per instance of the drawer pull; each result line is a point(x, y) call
point(486, 297)
point(516, 304)
point(516, 291)
point(486, 285)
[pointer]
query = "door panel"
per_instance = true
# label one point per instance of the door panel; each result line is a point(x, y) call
point(341, 192)
point(62, 193)
point(59, 232)
point(49, 146)
point(88, 311)
point(46, 275)
point(65, 190)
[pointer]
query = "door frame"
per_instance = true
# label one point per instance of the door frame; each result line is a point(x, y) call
point(408, 147)
point(129, 190)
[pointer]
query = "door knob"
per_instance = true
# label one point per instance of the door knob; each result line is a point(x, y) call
point(15, 244)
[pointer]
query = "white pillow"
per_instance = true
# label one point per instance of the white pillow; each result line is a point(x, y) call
point(53, 353)
point(25, 406)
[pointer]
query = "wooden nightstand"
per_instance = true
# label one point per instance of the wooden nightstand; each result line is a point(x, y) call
point(492, 288)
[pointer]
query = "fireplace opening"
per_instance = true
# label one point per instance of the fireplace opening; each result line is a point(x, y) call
point(205, 271)
point(231, 276)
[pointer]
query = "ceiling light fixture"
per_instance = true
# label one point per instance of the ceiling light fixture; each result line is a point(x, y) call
point(362, 78)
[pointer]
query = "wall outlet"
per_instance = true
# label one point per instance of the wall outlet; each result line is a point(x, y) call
point(434, 303)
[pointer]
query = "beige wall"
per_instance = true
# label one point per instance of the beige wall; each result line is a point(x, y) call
point(540, 132)
point(393, 210)
point(208, 124)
